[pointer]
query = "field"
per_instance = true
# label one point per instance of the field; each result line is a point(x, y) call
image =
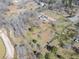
point(2, 49)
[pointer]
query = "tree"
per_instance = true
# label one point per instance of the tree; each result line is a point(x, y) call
point(47, 56)
point(52, 1)
point(34, 41)
point(67, 3)
point(70, 3)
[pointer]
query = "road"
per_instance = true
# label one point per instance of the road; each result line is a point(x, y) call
point(9, 47)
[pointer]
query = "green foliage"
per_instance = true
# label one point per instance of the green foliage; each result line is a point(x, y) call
point(34, 41)
point(60, 57)
point(54, 49)
point(50, 56)
point(67, 3)
point(71, 33)
point(64, 31)
point(30, 29)
point(77, 24)
point(70, 3)
point(41, 56)
point(61, 44)
point(47, 56)
point(52, 1)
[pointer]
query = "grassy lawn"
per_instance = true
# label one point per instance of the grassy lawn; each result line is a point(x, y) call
point(2, 49)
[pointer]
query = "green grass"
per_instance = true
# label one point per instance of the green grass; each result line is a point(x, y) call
point(2, 49)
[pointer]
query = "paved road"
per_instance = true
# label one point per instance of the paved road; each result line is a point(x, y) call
point(8, 45)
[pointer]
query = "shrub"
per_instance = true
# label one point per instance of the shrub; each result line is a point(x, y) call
point(54, 49)
point(34, 41)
